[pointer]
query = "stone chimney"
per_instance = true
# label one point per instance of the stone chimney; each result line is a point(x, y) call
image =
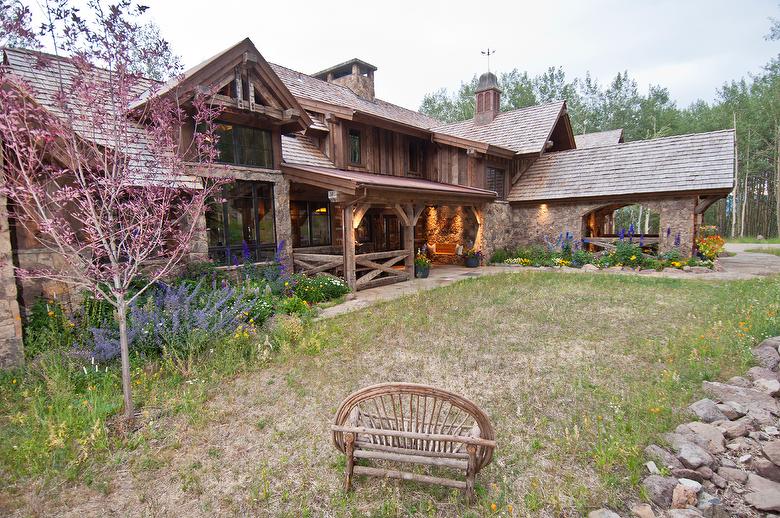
point(488, 99)
point(355, 74)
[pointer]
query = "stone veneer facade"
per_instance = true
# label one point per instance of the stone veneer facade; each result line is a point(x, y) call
point(11, 350)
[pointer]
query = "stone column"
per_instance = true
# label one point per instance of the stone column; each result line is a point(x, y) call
point(677, 218)
point(199, 244)
point(282, 220)
point(11, 348)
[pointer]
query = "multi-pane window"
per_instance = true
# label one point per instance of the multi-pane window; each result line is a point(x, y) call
point(244, 146)
point(355, 151)
point(495, 180)
point(416, 157)
point(310, 223)
point(241, 224)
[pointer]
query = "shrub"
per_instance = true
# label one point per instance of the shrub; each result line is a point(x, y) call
point(581, 257)
point(499, 256)
point(320, 288)
point(285, 331)
point(47, 328)
point(293, 306)
point(710, 246)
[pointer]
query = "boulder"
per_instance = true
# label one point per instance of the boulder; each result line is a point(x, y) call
point(765, 495)
point(749, 398)
point(767, 469)
point(603, 513)
point(718, 481)
point(705, 472)
point(689, 474)
point(708, 436)
point(706, 410)
point(729, 411)
point(772, 451)
point(739, 381)
point(761, 373)
point(662, 457)
point(700, 269)
point(642, 511)
point(589, 268)
point(689, 453)
point(761, 416)
point(660, 489)
point(733, 474)
point(766, 353)
point(739, 428)
point(767, 386)
point(683, 497)
point(696, 486)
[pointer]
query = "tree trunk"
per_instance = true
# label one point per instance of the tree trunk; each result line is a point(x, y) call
point(743, 209)
point(736, 183)
point(124, 349)
point(777, 179)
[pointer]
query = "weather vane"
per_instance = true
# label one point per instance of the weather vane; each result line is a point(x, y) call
point(488, 53)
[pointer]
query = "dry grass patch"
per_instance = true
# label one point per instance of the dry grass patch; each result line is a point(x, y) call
point(576, 372)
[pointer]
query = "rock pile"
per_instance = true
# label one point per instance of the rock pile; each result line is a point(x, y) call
point(727, 463)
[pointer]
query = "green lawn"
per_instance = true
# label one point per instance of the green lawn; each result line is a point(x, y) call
point(773, 251)
point(752, 239)
point(577, 372)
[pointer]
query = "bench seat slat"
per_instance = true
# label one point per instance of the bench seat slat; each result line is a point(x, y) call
point(395, 449)
point(412, 459)
point(405, 475)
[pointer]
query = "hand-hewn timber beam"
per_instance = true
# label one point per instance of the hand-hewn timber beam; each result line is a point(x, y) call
point(403, 215)
point(418, 210)
point(349, 247)
point(360, 211)
point(705, 203)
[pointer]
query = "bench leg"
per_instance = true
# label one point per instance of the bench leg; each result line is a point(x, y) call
point(471, 473)
point(349, 440)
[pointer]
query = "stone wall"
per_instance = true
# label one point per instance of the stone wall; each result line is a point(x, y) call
point(11, 348)
point(530, 224)
point(498, 229)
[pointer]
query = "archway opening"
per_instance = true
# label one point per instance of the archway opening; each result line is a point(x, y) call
point(626, 221)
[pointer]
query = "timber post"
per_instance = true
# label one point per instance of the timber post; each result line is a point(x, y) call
point(349, 246)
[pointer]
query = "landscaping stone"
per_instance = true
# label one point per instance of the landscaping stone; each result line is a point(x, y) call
point(765, 494)
point(757, 373)
point(739, 381)
point(767, 469)
point(691, 474)
point(660, 489)
point(707, 411)
point(603, 513)
point(729, 411)
point(772, 451)
point(711, 506)
point(767, 386)
point(663, 457)
point(705, 472)
point(751, 399)
point(642, 511)
point(683, 497)
point(589, 268)
point(683, 513)
point(652, 468)
point(718, 481)
point(733, 474)
point(700, 269)
point(761, 417)
point(708, 436)
point(766, 353)
point(739, 428)
point(693, 484)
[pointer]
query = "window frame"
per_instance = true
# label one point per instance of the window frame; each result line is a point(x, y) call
point(236, 148)
point(361, 135)
point(493, 169)
point(420, 152)
point(309, 221)
point(230, 250)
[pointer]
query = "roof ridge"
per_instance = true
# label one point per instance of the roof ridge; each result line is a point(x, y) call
point(346, 88)
point(641, 141)
point(501, 113)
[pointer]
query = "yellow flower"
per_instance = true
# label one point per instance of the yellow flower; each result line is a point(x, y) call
point(51, 313)
point(632, 258)
point(510, 508)
point(13, 381)
point(493, 507)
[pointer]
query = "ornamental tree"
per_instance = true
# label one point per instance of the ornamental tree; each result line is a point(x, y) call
point(100, 183)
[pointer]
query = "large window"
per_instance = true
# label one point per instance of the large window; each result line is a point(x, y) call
point(244, 146)
point(496, 181)
point(241, 224)
point(310, 223)
point(355, 150)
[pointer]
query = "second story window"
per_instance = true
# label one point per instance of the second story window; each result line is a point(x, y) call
point(416, 157)
point(242, 145)
point(355, 151)
point(495, 180)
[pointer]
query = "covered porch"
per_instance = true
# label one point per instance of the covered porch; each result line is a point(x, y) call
point(377, 222)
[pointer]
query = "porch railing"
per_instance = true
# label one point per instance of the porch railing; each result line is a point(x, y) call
point(372, 269)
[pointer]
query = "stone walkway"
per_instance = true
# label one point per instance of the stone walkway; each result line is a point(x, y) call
point(743, 265)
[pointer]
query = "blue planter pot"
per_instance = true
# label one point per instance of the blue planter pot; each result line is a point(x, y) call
point(422, 273)
point(472, 262)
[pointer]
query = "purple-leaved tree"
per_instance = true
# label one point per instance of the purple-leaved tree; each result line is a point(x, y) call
point(100, 183)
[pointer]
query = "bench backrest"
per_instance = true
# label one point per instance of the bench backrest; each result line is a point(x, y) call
point(446, 248)
point(411, 407)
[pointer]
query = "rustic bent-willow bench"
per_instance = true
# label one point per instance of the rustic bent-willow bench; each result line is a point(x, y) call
point(416, 424)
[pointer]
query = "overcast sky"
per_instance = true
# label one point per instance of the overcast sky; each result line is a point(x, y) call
point(691, 47)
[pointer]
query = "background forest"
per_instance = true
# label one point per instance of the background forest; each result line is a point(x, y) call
point(751, 104)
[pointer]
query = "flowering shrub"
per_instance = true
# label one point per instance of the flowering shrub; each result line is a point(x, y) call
point(522, 261)
point(421, 260)
point(710, 246)
point(47, 328)
point(320, 288)
point(473, 252)
point(560, 261)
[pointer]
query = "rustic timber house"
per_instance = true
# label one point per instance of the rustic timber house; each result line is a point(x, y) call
point(347, 183)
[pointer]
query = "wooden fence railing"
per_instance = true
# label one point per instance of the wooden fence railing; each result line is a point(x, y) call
point(373, 269)
point(312, 264)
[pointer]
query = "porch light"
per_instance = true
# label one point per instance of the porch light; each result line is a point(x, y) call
point(321, 210)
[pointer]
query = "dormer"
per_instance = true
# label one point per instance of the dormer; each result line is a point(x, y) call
point(355, 74)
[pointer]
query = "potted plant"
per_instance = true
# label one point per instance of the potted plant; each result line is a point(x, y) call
point(473, 257)
point(422, 265)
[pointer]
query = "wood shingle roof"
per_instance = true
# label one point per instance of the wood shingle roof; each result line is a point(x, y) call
point(697, 162)
point(524, 130)
point(599, 138)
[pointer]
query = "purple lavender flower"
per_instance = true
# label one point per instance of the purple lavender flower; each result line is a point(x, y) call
point(641, 240)
point(246, 251)
point(622, 234)
point(677, 239)
point(631, 230)
point(668, 232)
